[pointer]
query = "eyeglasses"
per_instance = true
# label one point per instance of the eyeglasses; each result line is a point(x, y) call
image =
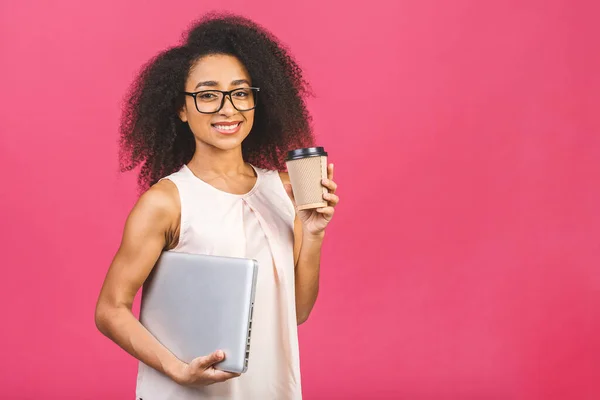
point(212, 101)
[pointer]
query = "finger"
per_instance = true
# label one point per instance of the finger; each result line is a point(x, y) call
point(330, 172)
point(331, 198)
point(329, 184)
point(220, 376)
point(327, 212)
point(205, 362)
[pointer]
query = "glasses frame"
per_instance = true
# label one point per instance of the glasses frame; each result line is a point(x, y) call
point(226, 94)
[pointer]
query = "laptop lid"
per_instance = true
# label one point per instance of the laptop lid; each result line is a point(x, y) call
point(196, 304)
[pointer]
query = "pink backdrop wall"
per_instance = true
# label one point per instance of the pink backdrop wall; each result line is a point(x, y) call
point(464, 259)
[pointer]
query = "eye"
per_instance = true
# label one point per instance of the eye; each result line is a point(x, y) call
point(242, 93)
point(207, 96)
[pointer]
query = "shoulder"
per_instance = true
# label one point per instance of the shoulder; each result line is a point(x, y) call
point(161, 200)
point(284, 176)
point(155, 214)
point(274, 175)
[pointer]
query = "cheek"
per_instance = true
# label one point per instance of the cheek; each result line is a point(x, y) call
point(249, 121)
point(199, 123)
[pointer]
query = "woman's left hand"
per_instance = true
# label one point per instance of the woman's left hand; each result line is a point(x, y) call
point(315, 221)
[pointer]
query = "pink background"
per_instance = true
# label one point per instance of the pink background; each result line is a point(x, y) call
point(464, 259)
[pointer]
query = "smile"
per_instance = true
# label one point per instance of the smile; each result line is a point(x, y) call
point(227, 128)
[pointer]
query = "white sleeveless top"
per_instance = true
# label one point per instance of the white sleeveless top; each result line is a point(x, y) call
point(259, 225)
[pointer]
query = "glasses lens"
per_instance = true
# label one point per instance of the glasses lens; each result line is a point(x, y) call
point(244, 99)
point(208, 101)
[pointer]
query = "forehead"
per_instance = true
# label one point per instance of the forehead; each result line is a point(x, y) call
point(220, 68)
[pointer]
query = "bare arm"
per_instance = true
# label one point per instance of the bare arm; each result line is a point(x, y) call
point(150, 228)
point(309, 231)
point(144, 238)
point(308, 265)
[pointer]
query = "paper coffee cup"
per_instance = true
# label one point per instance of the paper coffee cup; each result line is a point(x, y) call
point(307, 167)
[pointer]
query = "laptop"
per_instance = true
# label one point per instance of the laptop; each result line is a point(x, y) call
point(196, 304)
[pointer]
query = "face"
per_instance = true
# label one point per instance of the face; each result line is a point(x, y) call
point(227, 128)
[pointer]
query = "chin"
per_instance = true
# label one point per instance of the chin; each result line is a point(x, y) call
point(227, 143)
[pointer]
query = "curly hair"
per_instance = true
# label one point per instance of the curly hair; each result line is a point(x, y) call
point(153, 136)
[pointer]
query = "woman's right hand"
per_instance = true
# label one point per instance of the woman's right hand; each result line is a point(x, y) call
point(201, 371)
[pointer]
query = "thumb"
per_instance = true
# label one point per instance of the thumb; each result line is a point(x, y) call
point(211, 359)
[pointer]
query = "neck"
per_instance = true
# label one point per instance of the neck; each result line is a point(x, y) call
point(208, 159)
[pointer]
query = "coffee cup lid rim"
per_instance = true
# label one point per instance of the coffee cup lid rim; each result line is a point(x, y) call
point(306, 152)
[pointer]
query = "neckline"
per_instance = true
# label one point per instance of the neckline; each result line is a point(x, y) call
point(249, 193)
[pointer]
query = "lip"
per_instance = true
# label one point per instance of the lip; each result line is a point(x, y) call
point(225, 123)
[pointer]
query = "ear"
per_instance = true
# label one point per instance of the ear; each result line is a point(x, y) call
point(183, 113)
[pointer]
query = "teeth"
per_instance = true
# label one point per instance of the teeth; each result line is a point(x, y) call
point(227, 127)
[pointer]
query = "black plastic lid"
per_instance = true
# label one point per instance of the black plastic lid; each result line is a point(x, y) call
point(307, 152)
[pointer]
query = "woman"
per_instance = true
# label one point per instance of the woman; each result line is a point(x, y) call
point(210, 122)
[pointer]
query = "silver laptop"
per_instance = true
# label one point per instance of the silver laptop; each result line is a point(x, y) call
point(197, 304)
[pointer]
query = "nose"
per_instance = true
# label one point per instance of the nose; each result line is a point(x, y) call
point(228, 108)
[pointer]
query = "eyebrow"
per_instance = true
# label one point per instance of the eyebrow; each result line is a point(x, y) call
point(240, 82)
point(237, 82)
